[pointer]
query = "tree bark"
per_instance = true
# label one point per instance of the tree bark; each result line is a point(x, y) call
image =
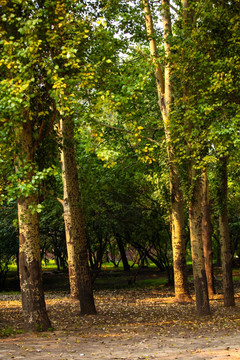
point(79, 271)
point(178, 240)
point(207, 236)
point(225, 241)
point(199, 273)
point(72, 265)
point(33, 303)
point(165, 102)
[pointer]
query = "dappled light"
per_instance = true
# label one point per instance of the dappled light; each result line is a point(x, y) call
point(130, 324)
point(123, 311)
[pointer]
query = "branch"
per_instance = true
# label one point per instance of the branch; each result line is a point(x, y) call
point(173, 7)
point(41, 134)
point(126, 131)
point(61, 201)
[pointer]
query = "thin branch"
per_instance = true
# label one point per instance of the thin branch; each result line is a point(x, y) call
point(174, 8)
point(61, 201)
point(126, 131)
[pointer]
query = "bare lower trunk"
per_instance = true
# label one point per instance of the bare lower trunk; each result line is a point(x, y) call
point(178, 243)
point(72, 265)
point(199, 273)
point(33, 303)
point(207, 237)
point(228, 289)
point(76, 225)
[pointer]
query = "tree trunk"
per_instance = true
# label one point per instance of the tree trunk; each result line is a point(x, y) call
point(199, 273)
point(165, 102)
point(74, 221)
point(226, 255)
point(178, 240)
point(33, 303)
point(126, 266)
point(72, 265)
point(207, 236)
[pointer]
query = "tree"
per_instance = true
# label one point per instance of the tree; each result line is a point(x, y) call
point(164, 89)
point(75, 65)
point(207, 232)
point(186, 47)
point(19, 84)
point(79, 273)
point(208, 101)
point(33, 303)
point(225, 241)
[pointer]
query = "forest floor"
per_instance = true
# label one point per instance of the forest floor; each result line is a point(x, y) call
point(132, 323)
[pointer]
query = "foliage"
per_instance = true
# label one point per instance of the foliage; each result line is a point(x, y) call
point(8, 239)
point(52, 233)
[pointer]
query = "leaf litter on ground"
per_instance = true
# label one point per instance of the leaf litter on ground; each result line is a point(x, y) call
point(128, 311)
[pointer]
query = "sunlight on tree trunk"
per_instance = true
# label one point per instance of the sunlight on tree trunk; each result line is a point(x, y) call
point(33, 303)
point(195, 221)
point(72, 265)
point(75, 221)
point(165, 102)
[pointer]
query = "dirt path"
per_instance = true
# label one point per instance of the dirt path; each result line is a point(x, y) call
point(59, 346)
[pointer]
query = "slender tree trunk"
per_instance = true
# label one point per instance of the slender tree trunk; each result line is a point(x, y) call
point(199, 273)
point(72, 264)
point(33, 303)
point(165, 102)
point(75, 229)
point(207, 236)
point(126, 266)
point(226, 255)
point(178, 240)
point(195, 207)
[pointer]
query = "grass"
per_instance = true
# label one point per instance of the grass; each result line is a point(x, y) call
point(10, 331)
point(109, 278)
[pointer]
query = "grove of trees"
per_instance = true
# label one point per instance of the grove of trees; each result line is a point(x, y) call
point(119, 129)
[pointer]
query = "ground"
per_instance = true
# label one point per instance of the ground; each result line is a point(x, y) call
point(133, 324)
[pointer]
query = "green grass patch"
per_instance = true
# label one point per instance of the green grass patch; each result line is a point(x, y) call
point(12, 268)
point(10, 331)
point(50, 265)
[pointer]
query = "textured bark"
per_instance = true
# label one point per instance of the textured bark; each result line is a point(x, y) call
point(207, 236)
point(165, 102)
point(178, 241)
point(74, 221)
point(72, 265)
point(199, 273)
point(33, 303)
point(228, 289)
